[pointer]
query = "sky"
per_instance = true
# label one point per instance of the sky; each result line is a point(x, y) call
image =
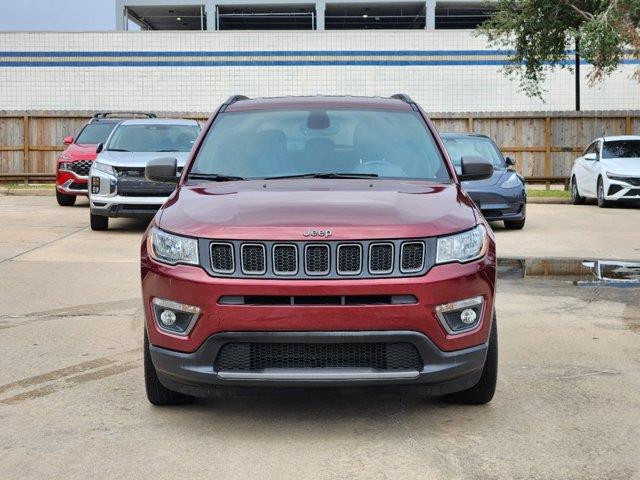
point(68, 15)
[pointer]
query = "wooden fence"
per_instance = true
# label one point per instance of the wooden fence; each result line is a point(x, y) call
point(543, 145)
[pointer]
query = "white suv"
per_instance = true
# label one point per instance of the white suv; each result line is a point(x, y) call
point(117, 185)
point(608, 170)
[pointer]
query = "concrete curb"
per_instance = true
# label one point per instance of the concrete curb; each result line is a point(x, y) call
point(552, 200)
point(28, 192)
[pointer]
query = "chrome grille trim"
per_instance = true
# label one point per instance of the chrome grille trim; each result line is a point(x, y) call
point(348, 272)
point(335, 270)
point(274, 263)
point(233, 260)
point(263, 270)
point(386, 271)
point(411, 270)
point(306, 267)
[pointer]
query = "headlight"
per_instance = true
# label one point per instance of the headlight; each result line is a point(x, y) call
point(619, 178)
point(462, 247)
point(172, 249)
point(64, 158)
point(103, 167)
point(512, 181)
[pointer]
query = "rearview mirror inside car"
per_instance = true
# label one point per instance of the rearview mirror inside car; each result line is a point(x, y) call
point(99, 147)
point(164, 169)
point(590, 156)
point(475, 168)
point(68, 140)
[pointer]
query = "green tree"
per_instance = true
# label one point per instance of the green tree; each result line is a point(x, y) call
point(540, 32)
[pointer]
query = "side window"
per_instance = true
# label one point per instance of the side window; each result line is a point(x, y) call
point(590, 149)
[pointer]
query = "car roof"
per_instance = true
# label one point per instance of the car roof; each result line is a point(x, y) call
point(318, 101)
point(159, 121)
point(615, 138)
point(463, 135)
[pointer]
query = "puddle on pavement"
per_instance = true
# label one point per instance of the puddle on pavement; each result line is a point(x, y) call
point(581, 272)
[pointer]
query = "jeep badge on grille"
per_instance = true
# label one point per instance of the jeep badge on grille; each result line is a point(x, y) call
point(317, 233)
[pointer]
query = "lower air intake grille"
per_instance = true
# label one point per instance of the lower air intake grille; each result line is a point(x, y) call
point(260, 356)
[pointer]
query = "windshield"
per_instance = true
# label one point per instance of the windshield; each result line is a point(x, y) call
point(459, 147)
point(621, 149)
point(262, 144)
point(153, 138)
point(95, 133)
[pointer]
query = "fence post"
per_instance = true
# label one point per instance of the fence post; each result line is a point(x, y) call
point(629, 129)
point(470, 124)
point(25, 147)
point(547, 149)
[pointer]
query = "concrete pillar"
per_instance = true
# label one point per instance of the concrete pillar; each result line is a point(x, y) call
point(430, 23)
point(120, 13)
point(210, 11)
point(321, 6)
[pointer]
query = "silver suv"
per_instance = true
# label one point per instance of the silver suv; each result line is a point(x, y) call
point(117, 185)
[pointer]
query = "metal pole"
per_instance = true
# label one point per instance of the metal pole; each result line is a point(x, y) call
point(201, 17)
point(577, 74)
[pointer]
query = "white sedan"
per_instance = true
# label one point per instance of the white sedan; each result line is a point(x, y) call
point(608, 170)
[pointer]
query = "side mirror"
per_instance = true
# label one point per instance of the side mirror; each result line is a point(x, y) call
point(475, 168)
point(68, 140)
point(592, 157)
point(510, 162)
point(164, 169)
point(99, 147)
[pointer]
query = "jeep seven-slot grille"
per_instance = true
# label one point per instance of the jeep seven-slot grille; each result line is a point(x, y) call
point(359, 259)
point(380, 356)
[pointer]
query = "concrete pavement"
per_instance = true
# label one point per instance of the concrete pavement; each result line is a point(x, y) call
point(72, 401)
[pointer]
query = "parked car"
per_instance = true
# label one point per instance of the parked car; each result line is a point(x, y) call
point(503, 197)
point(608, 170)
point(72, 166)
point(319, 241)
point(118, 185)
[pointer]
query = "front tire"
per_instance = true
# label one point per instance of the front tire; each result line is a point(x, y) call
point(482, 392)
point(98, 222)
point(65, 200)
point(602, 202)
point(576, 198)
point(158, 394)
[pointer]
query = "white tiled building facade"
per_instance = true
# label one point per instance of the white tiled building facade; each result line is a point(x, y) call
point(444, 70)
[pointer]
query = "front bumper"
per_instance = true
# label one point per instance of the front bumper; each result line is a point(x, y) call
point(441, 372)
point(510, 205)
point(70, 183)
point(617, 190)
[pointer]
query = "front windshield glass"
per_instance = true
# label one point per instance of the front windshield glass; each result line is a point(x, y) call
point(262, 144)
point(95, 133)
point(621, 149)
point(459, 147)
point(153, 137)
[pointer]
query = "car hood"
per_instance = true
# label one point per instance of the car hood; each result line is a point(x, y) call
point(138, 159)
point(80, 152)
point(622, 166)
point(499, 176)
point(284, 209)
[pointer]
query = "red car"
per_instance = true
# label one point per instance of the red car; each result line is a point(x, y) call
point(72, 166)
point(319, 242)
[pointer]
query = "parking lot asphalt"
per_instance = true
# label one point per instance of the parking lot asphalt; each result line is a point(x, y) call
point(72, 401)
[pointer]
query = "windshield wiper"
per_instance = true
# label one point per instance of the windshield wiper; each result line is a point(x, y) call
point(325, 175)
point(117, 150)
point(214, 177)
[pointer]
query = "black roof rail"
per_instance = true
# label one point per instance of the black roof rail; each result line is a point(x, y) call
point(124, 114)
point(404, 97)
point(231, 100)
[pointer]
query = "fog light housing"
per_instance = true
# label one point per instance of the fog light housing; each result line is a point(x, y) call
point(95, 185)
point(174, 317)
point(461, 316)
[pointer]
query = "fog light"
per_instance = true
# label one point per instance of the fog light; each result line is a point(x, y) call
point(167, 317)
point(95, 185)
point(458, 317)
point(175, 317)
point(468, 316)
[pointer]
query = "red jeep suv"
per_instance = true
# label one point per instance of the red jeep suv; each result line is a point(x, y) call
point(319, 242)
point(72, 166)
